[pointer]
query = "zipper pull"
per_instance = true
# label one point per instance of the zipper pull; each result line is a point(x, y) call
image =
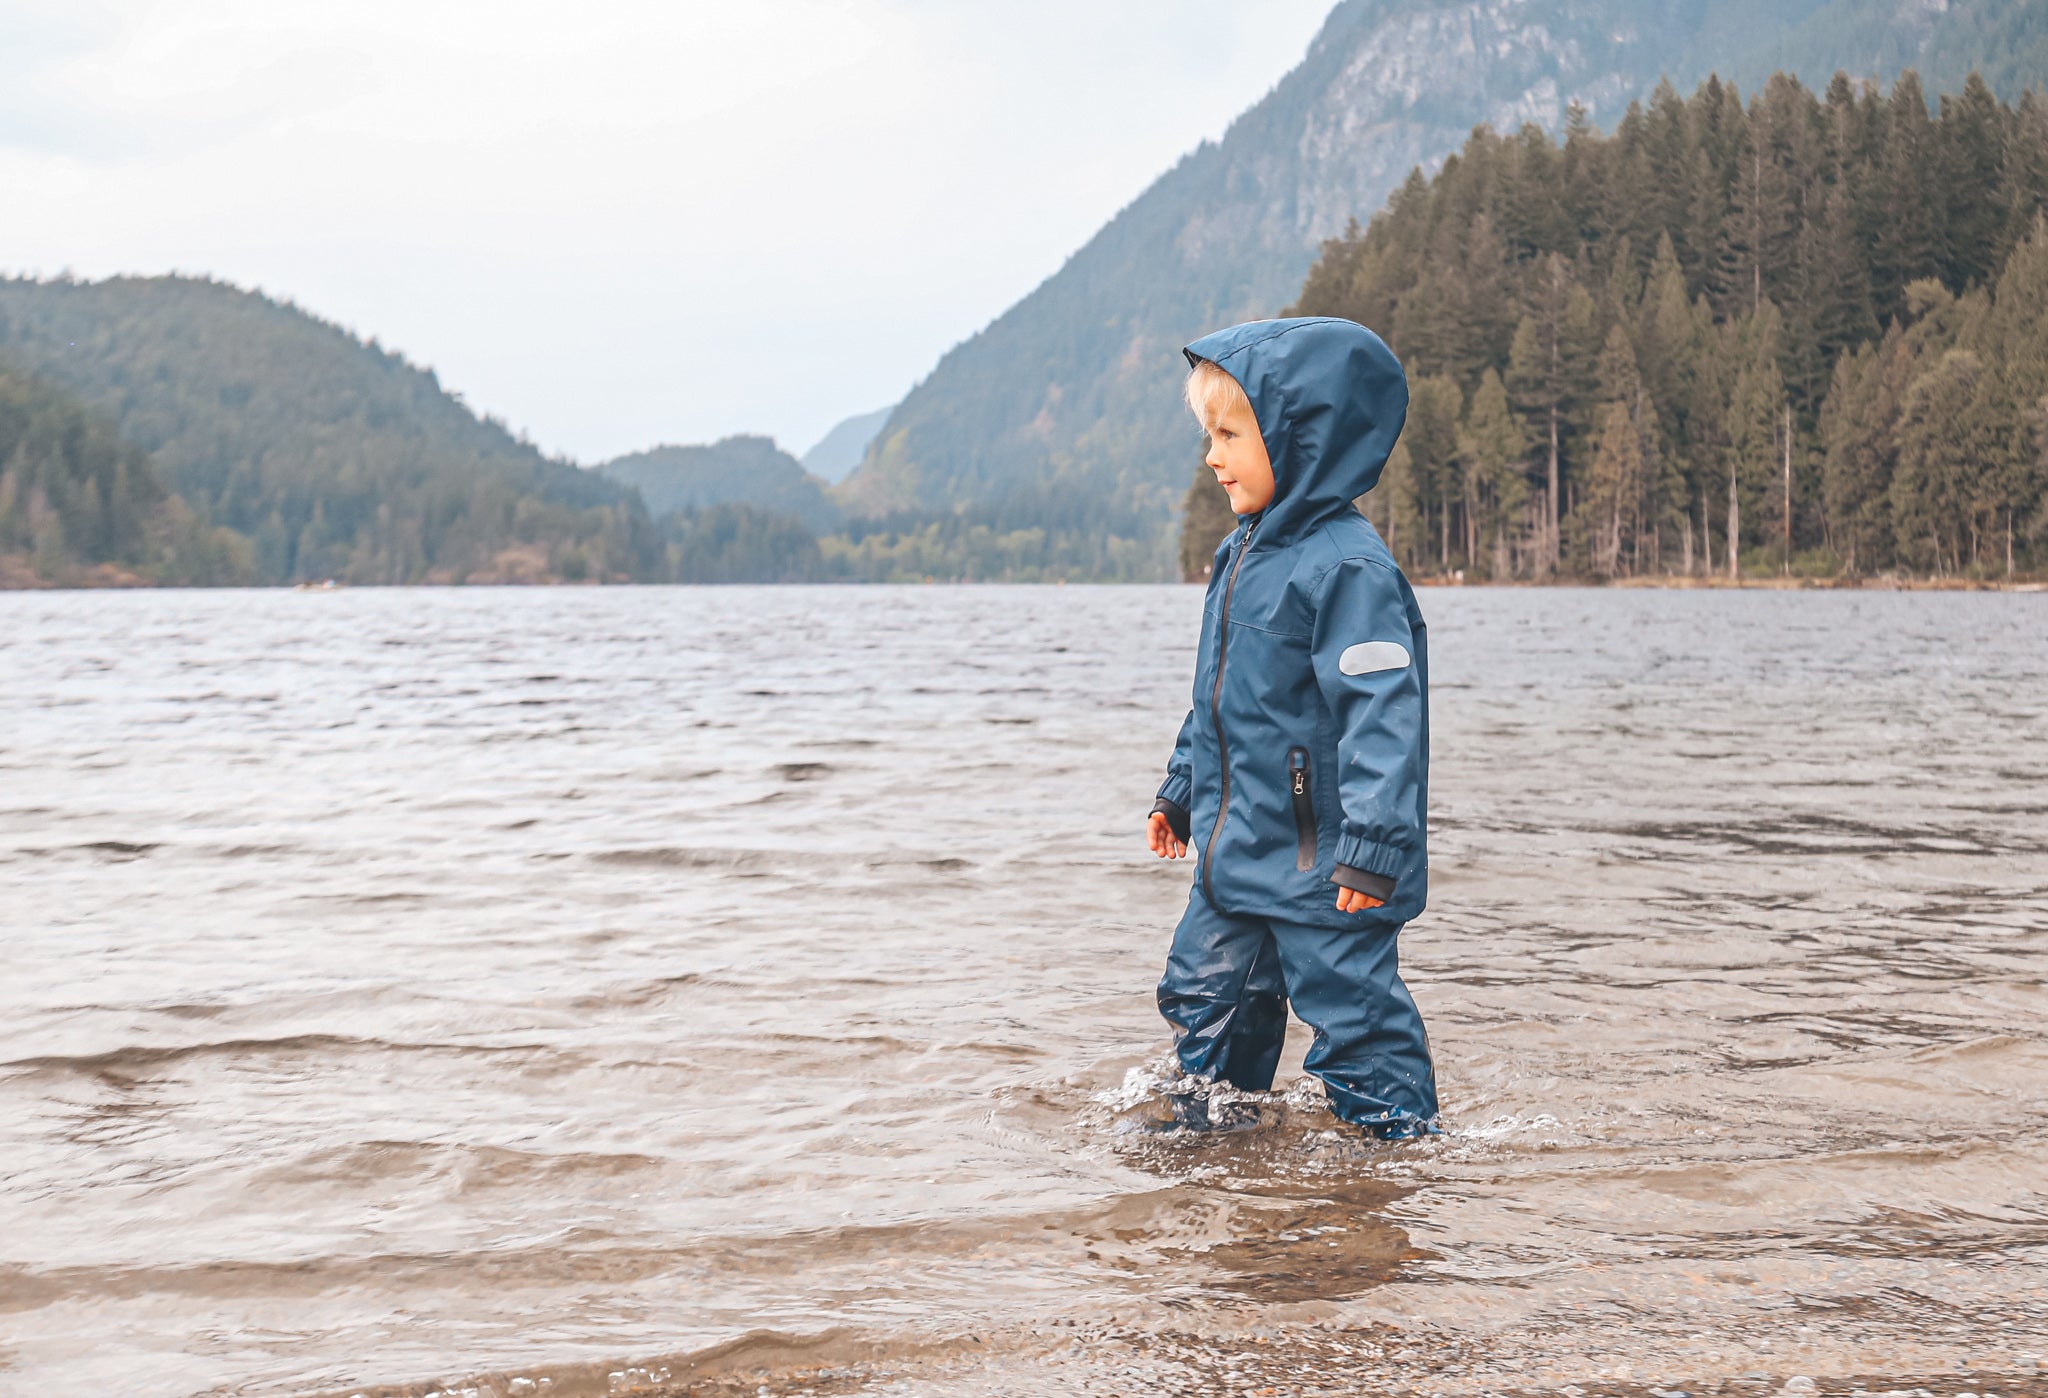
point(1297, 764)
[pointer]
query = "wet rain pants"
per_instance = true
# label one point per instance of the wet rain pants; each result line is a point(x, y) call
point(1226, 990)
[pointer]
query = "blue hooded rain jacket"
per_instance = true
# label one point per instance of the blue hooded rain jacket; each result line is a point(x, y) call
point(1304, 763)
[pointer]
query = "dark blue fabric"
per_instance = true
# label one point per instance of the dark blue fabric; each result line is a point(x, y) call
point(1310, 588)
point(1307, 748)
point(1227, 983)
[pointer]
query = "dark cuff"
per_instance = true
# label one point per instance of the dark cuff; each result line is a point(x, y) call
point(1358, 881)
point(1177, 820)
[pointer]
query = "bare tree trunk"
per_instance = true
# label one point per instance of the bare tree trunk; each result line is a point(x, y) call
point(1550, 544)
point(1471, 525)
point(1686, 519)
point(1734, 525)
point(2008, 541)
point(1706, 532)
point(1787, 569)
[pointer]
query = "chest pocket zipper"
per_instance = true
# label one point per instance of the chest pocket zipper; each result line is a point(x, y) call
point(1304, 809)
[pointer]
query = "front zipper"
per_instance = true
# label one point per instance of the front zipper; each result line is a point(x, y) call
point(1304, 809)
point(1216, 717)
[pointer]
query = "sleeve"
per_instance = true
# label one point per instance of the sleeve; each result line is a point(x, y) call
point(1364, 656)
point(1178, 789)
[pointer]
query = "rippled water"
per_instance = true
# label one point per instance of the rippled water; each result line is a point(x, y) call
point(427, 988)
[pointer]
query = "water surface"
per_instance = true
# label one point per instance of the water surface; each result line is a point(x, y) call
point(409, 987)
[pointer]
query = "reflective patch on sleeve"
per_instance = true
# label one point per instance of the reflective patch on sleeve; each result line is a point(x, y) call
point(1371, 656)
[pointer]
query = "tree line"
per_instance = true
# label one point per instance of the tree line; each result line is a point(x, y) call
point(1800, 334)
point(79, 504)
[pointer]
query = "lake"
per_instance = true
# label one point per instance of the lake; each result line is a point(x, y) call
point(577, 991)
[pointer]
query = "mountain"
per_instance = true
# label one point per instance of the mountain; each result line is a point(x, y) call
point(1807, 334)
point(332, 456)
point(2003, 41)
point(79, 505)
point(1069, 397)
point(832, 460)
point(743, 470)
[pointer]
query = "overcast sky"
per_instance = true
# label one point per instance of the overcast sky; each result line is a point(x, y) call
point(615, 223)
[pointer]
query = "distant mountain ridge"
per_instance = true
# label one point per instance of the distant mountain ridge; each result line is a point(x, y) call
point(742, 470)
point(832, 460)
point(332, 456)
point(1070, 393)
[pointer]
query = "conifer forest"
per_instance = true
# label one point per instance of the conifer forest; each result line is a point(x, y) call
point(1805, 334)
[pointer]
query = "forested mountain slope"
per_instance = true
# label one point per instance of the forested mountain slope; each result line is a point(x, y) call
point(743, 470)
point(1805, 334)
point(1069, 396)
point(79, 504)
point(334, 457)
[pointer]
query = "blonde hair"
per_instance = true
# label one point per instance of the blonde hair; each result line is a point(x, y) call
point(1211, 393)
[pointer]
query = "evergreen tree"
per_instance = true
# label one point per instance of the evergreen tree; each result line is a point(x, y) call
point(1433, 480)
point(1859, 435)
point(1547, 371)
point(1759, 288)
point(1971, 146)
point(1205, 519)
point(1945, 436)
point(1910, 239)
point(1494, 449)
point(1756, 441)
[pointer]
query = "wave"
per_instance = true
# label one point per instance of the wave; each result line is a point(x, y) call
point(677, 857)
point(114, 851)
point(131, 1058)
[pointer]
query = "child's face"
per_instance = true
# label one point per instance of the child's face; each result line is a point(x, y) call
point(1237, 454)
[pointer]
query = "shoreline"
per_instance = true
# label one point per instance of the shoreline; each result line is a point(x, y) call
point(1674, 582)
point(108, 578)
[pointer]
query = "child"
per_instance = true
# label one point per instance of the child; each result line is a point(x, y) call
point(1301, 774)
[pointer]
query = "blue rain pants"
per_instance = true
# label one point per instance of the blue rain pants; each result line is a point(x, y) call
point(1229, 979)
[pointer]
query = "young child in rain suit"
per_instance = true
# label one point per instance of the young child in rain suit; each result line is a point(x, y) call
point(1300, 778)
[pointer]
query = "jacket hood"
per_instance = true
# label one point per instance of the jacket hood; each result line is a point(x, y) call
point(1330, 398)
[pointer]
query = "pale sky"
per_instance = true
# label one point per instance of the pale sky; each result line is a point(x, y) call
point(617, 222)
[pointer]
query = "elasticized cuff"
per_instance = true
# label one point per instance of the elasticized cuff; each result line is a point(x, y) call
point(1371, 857)
point(1179, 787)
point(1372, 885)
point(1176, 819)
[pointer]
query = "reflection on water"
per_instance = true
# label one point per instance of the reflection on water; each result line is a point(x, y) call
point(697, 990)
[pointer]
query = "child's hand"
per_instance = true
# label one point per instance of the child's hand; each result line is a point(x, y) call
point(1159, 838)
point(1350, 900)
